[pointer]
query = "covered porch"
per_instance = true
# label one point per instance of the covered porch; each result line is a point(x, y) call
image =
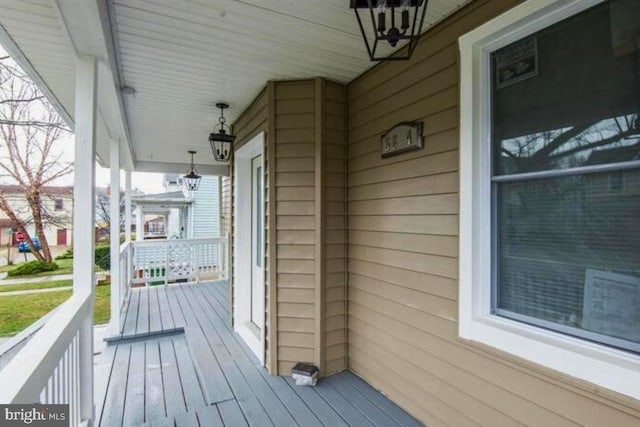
point(381, 263)
point(206, 375)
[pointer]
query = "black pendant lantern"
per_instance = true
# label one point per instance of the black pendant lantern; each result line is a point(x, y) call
point(392, 21)
point(191, 179)
point(221, 141)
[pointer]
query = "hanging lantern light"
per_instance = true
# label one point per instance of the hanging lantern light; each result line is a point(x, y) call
point(221, 141)
point(191, 179)
point(393, 21)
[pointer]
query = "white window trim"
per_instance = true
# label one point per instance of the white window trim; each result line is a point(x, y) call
point(607, 367)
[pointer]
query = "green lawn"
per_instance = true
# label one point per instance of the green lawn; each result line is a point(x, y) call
point(36, 285)
point(19, 311)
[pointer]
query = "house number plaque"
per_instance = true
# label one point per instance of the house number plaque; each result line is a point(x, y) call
point(401, 138)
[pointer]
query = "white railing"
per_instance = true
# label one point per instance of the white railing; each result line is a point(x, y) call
point(168, 261)
point(125, 272)
point(55, 366)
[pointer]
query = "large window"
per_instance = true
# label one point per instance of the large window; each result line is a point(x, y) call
point(566, 183)
point(550, 187)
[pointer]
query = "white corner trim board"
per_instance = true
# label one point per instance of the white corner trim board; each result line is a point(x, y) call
point(605, 366)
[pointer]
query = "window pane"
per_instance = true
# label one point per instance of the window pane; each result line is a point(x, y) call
point(569, 96)
point(569, 252)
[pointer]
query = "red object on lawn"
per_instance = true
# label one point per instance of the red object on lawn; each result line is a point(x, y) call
point(19, 236)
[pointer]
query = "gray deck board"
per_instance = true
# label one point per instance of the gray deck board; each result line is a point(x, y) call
point(155, 316)
point(142, 327)
point(208, 377)
point(172, 385)
point(114, 402)
point(155, 408)
point(232, 414)
point(131, 318)
point(210, 417)
point(134, 409)
point(166, 317)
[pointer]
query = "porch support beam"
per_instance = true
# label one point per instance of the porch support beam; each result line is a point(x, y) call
point(83, 217)
point(114, 239)
point(127, 206)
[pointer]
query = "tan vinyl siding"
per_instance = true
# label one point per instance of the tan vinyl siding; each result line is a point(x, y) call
point(295, 238)
point(402, 260)
point(334, 152)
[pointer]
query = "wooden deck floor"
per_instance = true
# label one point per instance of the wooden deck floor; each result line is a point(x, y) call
point(206, 376)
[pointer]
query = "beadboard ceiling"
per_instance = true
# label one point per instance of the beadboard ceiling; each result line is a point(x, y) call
point(183, 56)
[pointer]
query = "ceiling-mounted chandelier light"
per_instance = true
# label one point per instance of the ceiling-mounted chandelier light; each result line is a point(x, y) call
point(393, 21)
point(191, 179)
point(221, 141)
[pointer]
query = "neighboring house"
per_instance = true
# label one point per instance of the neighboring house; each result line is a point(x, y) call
point(58, 204)
point(178, 213)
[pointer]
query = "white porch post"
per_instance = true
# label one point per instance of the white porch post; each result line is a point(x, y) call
point(127, 226)
point(114, 245)
point(84, 217)
point(127, 206)
point(140, 223)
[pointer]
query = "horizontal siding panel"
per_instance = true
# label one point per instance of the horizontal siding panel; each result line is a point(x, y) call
point(295, 208)
point(295, 354)
point(421, 205)
point(444, 100)
point(427, 322)
point(428, 165)
point(422, 91)
point(334, 323)
point(373, 326)
point(295, 280)
point(451, 399)
point(294, 90)
point(295, 179)
point(303, 194)
point(297, 310)
point(295, 150)
point(295, 237)
point(424, 224)
point(285, 106)
point(295, 266)
point(435, 285)
point(295, 222)
point(423, 185)
point(410, 76)
point(413, 396)
point(295, 339)
point(296, 251)
point(294, 121)
point(411, 298)
point(425, 263)
point(295, 136)
point(422, 243)
point(295, 325)
point(295, 295)
point(295, 165)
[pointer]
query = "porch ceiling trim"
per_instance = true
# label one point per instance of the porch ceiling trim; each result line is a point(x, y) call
point(16, 53)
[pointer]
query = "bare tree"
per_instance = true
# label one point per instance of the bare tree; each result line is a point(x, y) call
point(103, 209)
point(31, 133)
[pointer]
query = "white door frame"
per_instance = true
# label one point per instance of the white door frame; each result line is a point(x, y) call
point(242, 243)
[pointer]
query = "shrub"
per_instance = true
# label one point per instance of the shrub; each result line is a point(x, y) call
point(68, 254)
point(102, 257)
point(32, 267)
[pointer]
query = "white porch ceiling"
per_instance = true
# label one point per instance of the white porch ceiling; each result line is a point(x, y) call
point(183, 56)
